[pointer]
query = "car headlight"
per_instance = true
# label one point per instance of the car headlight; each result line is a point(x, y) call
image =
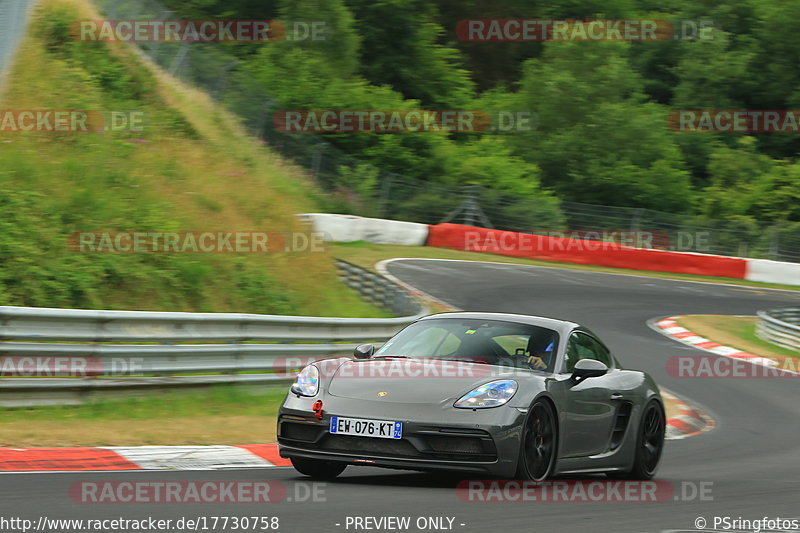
point(307, 382)
point(492, 394)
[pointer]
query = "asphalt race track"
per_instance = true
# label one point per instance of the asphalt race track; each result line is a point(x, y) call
point(752, 457)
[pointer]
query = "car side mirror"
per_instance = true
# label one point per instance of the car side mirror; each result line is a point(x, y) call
point(588, 368)
point(364, 351)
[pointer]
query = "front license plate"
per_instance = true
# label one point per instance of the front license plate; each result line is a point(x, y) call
point(366, 428)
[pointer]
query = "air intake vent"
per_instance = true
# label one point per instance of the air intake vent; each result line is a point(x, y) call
point(304, 432)
point(369, 445)
point(471, 445)
point(621, 424)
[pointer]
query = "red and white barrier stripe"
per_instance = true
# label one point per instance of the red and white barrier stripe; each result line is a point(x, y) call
point(670, 328)
point(140, 458)
point(586, 252)
point(348, 228)
point(688, 422)
point(773, 271)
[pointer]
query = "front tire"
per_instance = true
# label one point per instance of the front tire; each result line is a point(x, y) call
point(539, 443)
point(317, 468)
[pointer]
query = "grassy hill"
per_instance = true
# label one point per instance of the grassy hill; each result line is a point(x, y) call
point(192, 167)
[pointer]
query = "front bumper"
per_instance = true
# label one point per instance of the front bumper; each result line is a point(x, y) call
point(434, 437)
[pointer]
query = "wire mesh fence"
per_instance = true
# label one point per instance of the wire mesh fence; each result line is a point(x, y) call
point(358, 187)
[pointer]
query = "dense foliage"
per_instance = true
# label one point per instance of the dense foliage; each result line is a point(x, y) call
point(601, 133)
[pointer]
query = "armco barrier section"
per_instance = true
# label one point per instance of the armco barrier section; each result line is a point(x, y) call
point(349, 228)
point(530, 246)
point(780, 326)
point(41, 348)
point(336, 228)
point(773, 271)
point(379, 290)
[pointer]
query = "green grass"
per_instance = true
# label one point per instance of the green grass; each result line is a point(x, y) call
point(223, 414)
point(366, 254)
point(749, 334)
point(217, 400)
point(192, 168)
point(736, 331)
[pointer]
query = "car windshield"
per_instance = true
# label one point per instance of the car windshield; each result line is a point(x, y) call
point(477, 340)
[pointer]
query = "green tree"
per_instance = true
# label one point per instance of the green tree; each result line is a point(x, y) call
point(734, 173)
point(338, 42)
point(596, 139)
point(401, 50)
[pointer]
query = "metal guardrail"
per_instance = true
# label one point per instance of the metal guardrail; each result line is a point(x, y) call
point(780, 326)
point(148, 347)
point(379, 290)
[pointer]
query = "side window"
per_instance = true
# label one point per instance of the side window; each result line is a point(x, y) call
point(582, 346)
point(599, 352)
point(572, 356)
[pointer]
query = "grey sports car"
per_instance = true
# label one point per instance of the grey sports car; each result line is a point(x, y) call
point(492, 393)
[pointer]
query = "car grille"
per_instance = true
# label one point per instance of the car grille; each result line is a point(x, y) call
point(383, 447)
point(455, 448)
point(470, 445)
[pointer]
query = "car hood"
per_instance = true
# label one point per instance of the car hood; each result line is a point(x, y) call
point(409, 380)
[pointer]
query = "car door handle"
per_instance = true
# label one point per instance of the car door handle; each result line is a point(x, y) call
point(616, 396)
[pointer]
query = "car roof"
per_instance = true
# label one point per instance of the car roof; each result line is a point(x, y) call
point(562, 326)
